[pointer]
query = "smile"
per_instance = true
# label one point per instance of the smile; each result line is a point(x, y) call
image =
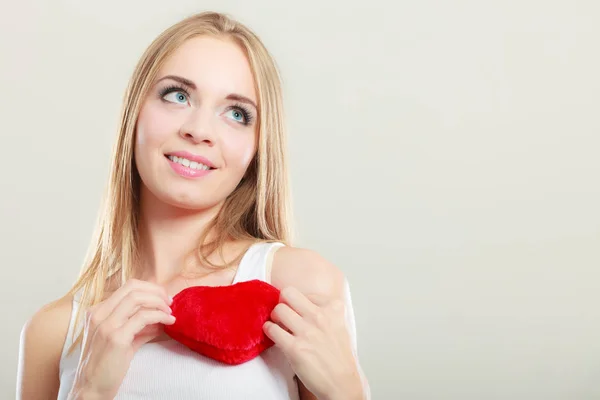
point(188, 169)
point(190, 164)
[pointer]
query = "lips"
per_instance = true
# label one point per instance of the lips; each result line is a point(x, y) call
point(192, 157)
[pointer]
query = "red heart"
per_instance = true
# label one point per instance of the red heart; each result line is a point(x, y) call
point(224, 323)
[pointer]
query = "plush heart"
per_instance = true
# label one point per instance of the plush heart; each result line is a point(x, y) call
point(224, 323)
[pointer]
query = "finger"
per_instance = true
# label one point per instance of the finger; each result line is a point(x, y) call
point(134, 301)
point(147, 334)
point(150, 330)
point(142, 319)
point(298, 301)
point(278, 335)
point(107, 306)
point(319, 300)
point(289, 319)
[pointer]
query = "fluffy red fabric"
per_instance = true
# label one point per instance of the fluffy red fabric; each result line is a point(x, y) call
point(224, 323)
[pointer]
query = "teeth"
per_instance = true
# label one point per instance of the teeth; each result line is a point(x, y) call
point(190, 164)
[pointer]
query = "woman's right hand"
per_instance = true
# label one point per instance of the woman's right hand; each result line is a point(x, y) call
point(114, 330)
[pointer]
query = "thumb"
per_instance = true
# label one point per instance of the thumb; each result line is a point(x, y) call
point(147, 334)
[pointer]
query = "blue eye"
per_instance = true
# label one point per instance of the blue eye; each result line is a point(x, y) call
point(237, 115)
point(240, 114)
point(176, 97)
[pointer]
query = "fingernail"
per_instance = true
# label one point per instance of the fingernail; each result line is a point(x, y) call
point(170, 300)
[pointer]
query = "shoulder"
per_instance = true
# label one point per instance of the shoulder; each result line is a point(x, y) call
point(50, 320)
point(41, 344)
point(307, 271)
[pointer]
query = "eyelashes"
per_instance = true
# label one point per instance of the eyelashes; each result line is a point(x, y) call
point(240, 112)
point(173, 89)
point(246, 113)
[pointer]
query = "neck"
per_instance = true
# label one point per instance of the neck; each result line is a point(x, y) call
point(168, 236)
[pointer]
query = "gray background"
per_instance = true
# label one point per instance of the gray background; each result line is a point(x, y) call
point(444, 155)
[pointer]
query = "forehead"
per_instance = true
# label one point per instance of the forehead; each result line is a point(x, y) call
point(217, 66)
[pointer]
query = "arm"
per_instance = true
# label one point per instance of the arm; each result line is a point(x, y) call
point(40, 348)
point(318, 279)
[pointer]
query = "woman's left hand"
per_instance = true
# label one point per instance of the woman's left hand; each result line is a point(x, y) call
point(312, 333)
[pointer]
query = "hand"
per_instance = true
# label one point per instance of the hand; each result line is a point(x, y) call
point(313, 335)
point(114, 330)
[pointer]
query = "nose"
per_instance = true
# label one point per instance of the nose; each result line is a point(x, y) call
point(197, 127)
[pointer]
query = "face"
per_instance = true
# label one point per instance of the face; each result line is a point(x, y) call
point(196, 133)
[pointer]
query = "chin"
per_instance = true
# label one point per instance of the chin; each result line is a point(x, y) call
point(182, 198)
point(187, 202)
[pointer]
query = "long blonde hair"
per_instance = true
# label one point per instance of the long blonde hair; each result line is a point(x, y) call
point(257, 210)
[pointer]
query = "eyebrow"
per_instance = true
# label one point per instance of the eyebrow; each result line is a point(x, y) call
point(179, 79)
point(241, 99)
point(192, 85)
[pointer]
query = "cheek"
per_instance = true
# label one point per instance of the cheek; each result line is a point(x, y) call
point(153, 127)
point(247, 153)
point(240, 152)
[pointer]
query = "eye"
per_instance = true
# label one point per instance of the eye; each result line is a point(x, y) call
point(176, 97)
point(237, 115)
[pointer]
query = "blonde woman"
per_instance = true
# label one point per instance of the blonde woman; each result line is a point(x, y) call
point(197, 195)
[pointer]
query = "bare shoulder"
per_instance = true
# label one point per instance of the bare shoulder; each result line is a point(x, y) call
point(307, 271)
point(50, 321)
point(41, 344)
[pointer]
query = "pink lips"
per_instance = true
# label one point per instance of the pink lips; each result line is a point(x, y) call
point(188, 172)
point(192, 157)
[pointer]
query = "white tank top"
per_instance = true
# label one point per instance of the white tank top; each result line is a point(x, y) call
point(169, 370)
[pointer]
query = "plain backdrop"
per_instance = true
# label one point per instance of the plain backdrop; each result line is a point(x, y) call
point(445, 155)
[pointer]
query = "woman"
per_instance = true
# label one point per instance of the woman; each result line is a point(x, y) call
point(197, 196)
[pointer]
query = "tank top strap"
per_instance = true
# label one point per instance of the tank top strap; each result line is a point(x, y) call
point(70, 338)
point(256, 263)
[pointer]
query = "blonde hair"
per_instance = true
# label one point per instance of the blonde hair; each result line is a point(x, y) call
point(257, 210)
